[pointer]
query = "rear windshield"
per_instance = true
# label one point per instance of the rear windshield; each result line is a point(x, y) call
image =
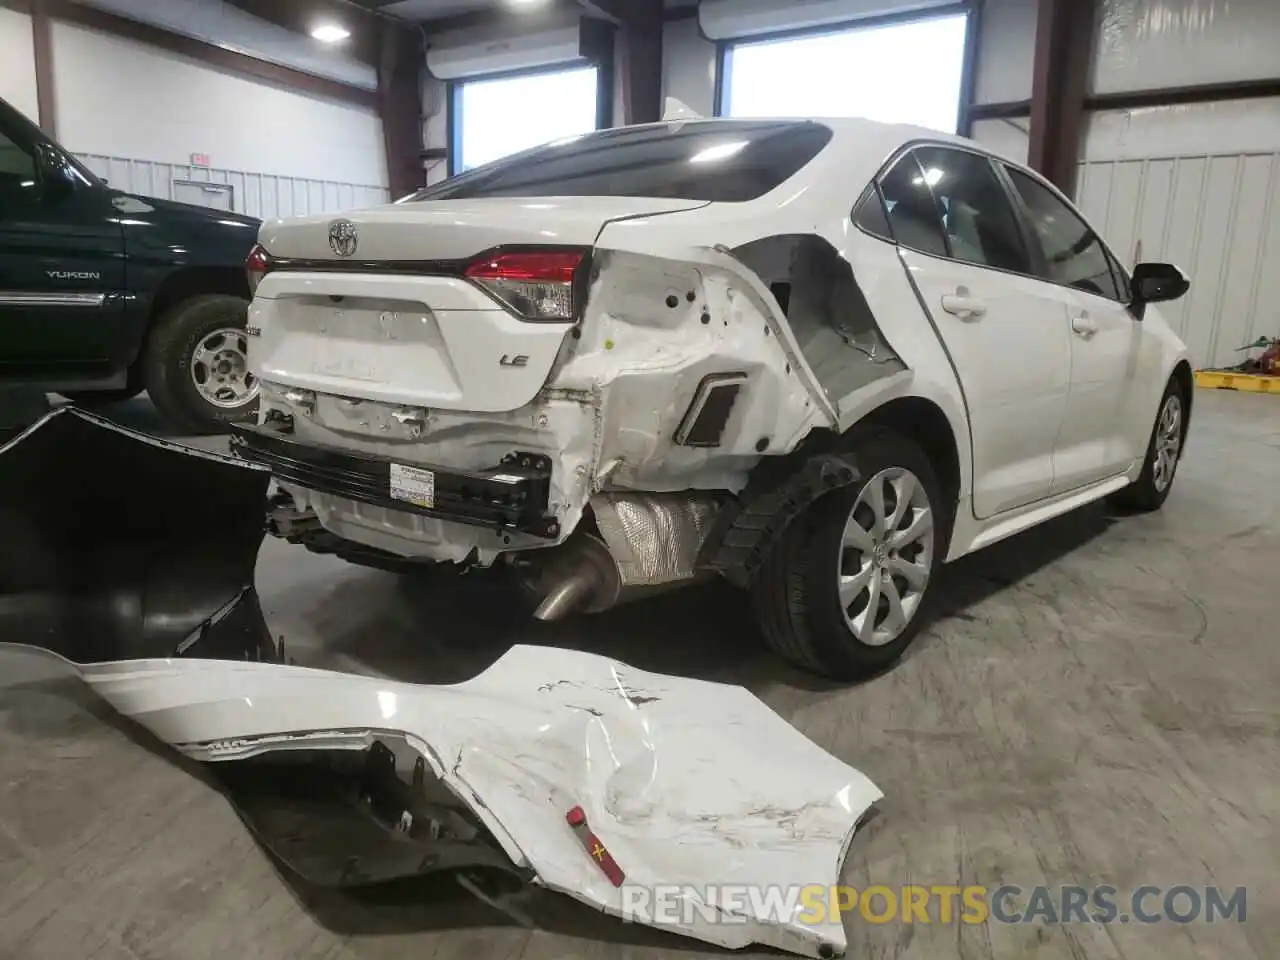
point(724, 161)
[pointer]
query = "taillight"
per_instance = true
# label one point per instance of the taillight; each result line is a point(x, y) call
point(257, 265)
point(536, 284)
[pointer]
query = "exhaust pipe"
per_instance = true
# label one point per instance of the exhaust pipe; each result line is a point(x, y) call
point(580, 576)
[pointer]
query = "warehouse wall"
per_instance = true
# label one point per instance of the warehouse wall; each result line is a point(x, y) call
point(689, 66)
point(117, 98)
point(17, 62)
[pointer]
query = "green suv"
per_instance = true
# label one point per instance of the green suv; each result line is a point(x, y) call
point(104, 294)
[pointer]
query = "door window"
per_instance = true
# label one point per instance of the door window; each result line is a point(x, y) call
point(913, 214)
point(18, 180)
point(978, 217)
point(1073, 253)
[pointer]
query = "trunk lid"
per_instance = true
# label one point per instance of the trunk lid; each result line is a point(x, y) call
point(380, 324)
point(455, 229)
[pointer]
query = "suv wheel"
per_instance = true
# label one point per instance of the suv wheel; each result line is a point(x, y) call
point(845, 591)
point(196, 365)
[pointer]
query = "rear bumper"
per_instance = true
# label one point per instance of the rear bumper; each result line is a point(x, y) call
point(511, 496)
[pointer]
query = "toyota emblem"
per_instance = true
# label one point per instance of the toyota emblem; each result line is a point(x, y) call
point(344, 238)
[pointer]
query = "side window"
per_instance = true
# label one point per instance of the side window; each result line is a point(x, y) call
point(18, 180)
point(913, 215)
point(870, 216)
point(977, 214)
point(1072, 251)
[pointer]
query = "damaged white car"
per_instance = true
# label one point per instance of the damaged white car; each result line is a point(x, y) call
point(816, 358)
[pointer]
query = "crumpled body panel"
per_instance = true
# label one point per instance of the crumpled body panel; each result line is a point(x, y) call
point(683, 781)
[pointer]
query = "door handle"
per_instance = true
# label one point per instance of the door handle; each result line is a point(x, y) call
point(963, 306)
point(1083, 326)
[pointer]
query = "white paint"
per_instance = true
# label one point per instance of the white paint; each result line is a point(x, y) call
point(1149, 44)
point(1197, 185)
point(117, 98)
point(685, 782)
point(1006, 50)
point(17, 63)
point(689, 66)
point(732, 19)
point(612, 398)
point(225, 25)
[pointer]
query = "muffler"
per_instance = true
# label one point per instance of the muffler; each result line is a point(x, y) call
point(121, 546)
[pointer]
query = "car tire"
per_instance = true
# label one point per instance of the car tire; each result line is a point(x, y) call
point(797, 592)
point(1164, 451)
point(192, 342)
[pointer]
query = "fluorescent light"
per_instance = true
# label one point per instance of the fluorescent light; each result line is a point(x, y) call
point(722, 151)
point(330, 33)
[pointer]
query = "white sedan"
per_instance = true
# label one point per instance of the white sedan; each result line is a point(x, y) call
point(816, 358)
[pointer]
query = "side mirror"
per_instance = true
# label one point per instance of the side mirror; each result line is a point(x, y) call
point(56, 178)
point(1157, 282)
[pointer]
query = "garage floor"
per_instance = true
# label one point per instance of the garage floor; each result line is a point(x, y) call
point(1098, 705)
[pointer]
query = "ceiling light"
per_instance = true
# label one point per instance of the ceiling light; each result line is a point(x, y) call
point(330, 33)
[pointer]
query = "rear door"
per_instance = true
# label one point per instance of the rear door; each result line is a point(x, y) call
point(1006, 333)
point(1095, 442)
point(61, 264)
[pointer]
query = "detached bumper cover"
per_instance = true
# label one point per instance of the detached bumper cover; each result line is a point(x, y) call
point(132, 559)
point(511, 496)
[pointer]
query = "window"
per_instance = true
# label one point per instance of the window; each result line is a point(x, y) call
point(897, 73)
point(18, 179)
point(913, 214)
point(978, 217)
point(1073, 254)
point(499, 116)
point(870, 216)
point(721, 161)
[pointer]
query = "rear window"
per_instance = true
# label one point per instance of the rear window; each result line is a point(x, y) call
point(724, 161)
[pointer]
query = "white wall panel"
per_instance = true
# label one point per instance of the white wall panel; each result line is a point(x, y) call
point(1006, 49)
point(1198, 186)
point(122, 99)
point(258, 195)
point(1008, 138)
point(689, 66)
point(1149, 44)
point(17, 63)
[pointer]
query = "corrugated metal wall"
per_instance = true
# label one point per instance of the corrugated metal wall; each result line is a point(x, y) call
point(257, 195)
point(1215, 215)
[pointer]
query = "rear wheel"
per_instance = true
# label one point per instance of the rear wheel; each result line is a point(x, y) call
point(845, 591)
point(196, 365)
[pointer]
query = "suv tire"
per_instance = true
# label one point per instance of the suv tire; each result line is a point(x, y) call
point(185, 356)
point(840, 552)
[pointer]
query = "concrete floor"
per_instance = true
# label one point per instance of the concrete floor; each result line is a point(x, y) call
point(1097, 704)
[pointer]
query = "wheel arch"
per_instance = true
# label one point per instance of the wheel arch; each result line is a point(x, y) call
point(1185, 379)
point(194, 282)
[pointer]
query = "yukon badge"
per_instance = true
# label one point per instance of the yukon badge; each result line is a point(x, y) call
point(344, 238)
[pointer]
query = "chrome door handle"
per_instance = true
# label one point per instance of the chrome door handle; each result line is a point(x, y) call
point(1084, 327)
point(963, 306)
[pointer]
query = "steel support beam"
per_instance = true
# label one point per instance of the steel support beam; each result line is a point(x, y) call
point(639, 24)
point(400, 107)
point(42, 50)
point(1063, 57)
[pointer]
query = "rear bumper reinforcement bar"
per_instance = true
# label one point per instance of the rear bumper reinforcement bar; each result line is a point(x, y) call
point(510, 496)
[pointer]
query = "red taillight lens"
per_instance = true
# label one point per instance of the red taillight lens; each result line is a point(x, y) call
point(536, 284)
point(257, 265)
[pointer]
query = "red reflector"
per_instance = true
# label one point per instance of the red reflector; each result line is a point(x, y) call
point(543, 266)
point(258, 261)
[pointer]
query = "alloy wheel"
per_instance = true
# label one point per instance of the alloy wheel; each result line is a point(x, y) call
point(886, 556)
point(1168, 442)
point(220, 369)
